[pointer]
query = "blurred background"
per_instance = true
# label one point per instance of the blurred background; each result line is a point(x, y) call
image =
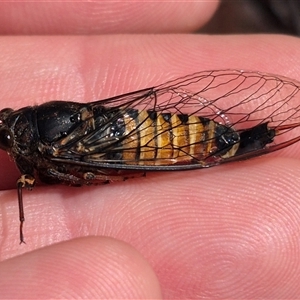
point(255, 16)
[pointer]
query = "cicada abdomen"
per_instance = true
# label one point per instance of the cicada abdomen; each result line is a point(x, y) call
point(151, 138)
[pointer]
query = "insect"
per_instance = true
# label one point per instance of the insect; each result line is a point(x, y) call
point(197, 121)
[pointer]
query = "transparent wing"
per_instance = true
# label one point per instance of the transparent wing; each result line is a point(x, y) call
point(240, 98)
point(236, 99)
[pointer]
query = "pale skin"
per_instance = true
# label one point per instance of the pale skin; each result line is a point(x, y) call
point(227, 232)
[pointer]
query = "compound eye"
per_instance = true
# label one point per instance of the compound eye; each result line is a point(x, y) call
point(6, 139)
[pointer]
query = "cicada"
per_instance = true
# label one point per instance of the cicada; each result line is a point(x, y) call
point(197, 121)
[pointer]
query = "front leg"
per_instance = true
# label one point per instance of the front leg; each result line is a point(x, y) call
point(54, 176)
point(83, 178)
point(25, 181)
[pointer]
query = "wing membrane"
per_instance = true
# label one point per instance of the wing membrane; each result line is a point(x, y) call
point(236, 99)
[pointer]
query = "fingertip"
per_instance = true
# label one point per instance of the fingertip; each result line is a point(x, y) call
point(90, 267)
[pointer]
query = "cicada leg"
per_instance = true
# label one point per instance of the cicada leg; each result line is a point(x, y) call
point(25, 181)
point(92, 178)
point(87, 178)
point(54, 176)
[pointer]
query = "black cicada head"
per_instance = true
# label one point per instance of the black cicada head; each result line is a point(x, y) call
point(18, 135)
point(6, 136)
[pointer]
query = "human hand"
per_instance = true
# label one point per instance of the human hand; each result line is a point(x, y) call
point(226, 232)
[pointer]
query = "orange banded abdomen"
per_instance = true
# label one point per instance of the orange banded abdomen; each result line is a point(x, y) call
point(165, 138)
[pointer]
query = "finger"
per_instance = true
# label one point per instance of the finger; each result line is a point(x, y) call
point(80, 69)
point(147, 211)
point(104, 17)
point(93, 268)
point(224, 231)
